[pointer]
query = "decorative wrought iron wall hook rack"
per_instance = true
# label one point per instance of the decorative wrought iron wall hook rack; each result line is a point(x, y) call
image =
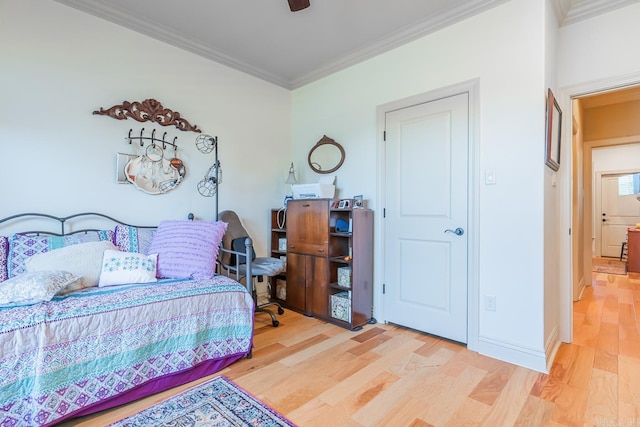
point(141, 139)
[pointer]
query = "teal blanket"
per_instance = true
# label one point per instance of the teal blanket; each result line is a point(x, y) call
point(61, 356)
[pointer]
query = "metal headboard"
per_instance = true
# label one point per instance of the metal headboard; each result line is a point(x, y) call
point(235, 272)
point(64, 230)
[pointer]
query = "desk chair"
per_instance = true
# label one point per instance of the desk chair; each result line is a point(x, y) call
point(234, 239)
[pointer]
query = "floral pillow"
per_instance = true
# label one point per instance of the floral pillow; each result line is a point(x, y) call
point(32, 288)
point(119, 268)
point(187, 249)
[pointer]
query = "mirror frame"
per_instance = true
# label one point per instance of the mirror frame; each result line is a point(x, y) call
point(325, 140)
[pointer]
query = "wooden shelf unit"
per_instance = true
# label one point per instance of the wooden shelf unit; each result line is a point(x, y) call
point(278, 231)
point(316, 252)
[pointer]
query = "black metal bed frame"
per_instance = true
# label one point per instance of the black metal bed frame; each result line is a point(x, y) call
point(63, 222)
point(230, 270)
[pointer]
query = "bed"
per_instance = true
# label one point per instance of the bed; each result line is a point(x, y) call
point(91, 347)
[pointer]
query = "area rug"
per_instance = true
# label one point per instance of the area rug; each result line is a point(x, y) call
point(609, 266)
point(218, 402)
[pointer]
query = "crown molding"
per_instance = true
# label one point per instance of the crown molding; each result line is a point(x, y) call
point(585, 9)
point(561, 9)
point(113, 14)
point(399, 38)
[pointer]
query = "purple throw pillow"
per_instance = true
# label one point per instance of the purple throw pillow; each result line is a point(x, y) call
point(187, 249)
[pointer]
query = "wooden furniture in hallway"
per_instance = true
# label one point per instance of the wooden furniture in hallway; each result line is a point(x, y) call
point(633, 250)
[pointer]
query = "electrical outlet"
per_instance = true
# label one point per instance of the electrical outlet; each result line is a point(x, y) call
point(490, 303)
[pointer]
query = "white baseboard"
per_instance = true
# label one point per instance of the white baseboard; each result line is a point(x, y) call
point(522, 356)
point(551, 347)
point(581, 287)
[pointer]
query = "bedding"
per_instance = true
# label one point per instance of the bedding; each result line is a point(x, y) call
point(119, 268)
point(68, 350)
point(82, 259)
point(22, 246)
point(129, 238)
point(187, 248)
point(60, 358)
point(35, 287)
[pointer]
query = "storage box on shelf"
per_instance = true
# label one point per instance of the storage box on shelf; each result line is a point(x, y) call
point(341, 306)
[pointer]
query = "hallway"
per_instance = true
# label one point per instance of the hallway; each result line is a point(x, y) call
point(595, 379)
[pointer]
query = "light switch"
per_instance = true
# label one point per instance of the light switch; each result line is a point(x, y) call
point(490, 177)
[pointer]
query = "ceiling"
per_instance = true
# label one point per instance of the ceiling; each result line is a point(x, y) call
point(265, 39)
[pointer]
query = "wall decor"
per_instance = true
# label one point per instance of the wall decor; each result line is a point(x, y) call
point(554, 132)
point(208, 186)
point(326, 156)
point(151, 172)
point(121, 162)
point(148, 110)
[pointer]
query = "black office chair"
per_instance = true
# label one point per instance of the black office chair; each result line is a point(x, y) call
point(234, 240)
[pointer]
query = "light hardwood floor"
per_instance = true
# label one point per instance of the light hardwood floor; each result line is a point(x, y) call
point(318, 374)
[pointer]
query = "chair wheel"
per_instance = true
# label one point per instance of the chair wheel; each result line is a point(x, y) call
point(275, 323)
point(280, 310)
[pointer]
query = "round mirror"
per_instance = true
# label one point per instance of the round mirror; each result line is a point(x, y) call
point(326, 156)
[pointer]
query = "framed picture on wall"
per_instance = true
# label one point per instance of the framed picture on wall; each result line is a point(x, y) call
point(554, 132)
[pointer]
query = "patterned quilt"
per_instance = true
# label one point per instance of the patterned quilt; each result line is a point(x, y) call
point(61, 356)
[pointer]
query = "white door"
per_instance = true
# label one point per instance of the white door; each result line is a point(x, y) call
point(426, 178)
point(618, 213)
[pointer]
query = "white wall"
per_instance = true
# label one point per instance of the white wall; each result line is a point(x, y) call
point(505, 49)
point(58, 65)
point(616, 159)
point(603, 47)
point(552, 200)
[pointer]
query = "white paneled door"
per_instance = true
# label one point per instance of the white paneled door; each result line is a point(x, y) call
point(426, 196)
point(618, 213)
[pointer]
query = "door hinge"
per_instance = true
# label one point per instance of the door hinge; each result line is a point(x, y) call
point(569, 231)
point(384, 288)
point(384, 135)
point(384, 212)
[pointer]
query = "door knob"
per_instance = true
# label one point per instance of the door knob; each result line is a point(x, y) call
point(458, 231)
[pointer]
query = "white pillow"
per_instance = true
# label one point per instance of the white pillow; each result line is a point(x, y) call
point(119, 268)
point(34, 287)
point(83, 259)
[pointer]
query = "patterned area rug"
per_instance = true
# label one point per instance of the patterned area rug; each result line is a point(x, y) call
point(218, 402)
point(609, 266)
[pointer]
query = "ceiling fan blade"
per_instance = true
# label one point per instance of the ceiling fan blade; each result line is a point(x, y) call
point(296, 5)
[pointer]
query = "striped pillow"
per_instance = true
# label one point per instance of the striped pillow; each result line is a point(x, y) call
point(187, 249)
point(4, 258)
point(133, 239)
